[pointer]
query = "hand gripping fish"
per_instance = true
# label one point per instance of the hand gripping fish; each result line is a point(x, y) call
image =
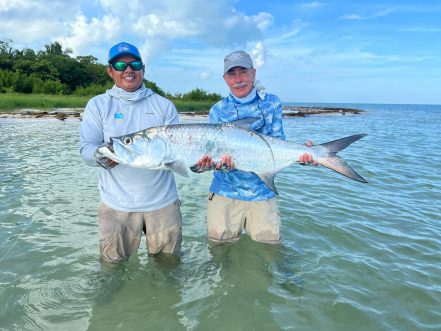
point(178, 148)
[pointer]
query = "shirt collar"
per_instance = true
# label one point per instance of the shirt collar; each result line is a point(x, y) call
point(247, 99)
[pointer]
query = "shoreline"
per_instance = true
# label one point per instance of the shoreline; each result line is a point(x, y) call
point(76, 113)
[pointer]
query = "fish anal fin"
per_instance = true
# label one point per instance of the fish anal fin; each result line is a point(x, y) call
point(268, 178)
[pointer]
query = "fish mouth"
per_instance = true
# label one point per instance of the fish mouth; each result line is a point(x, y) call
point(110, 146)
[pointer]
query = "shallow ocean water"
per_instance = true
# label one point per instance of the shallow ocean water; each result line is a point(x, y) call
point(354, 256)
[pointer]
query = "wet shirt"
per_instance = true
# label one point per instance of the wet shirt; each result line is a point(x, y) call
point(267, 108)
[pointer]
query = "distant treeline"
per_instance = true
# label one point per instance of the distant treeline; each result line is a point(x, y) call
point(54, 71)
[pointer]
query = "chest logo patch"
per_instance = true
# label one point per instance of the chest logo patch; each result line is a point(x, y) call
point(118, 116)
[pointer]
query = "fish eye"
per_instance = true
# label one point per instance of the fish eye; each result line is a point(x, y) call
point(127, 140)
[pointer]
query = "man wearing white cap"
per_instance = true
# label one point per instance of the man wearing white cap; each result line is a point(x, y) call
point(240, 200)
point(131, 198)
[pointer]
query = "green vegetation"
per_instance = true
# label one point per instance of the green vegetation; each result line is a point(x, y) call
point(18, 101)
point(51, 78)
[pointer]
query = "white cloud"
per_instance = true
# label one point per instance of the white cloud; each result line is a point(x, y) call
point(85, 33)
point(28, 21)
point(28, 31)
point(263, 20)
point(312, 5)
point(351, 17)
point(259, 55)
point(376, 14)
point(205, 75)
point(6, 5)
point(15, 7)
point(183, 42)
point(161, 24)
point(153, 25)
point(218, 24)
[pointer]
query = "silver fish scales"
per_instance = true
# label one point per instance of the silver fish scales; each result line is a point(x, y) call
point(179, 147)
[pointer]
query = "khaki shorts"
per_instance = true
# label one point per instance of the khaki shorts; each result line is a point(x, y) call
point(228, 217)
point(120, 232)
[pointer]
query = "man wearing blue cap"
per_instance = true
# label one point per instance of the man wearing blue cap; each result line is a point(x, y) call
point(240, 200)
point(131, 198)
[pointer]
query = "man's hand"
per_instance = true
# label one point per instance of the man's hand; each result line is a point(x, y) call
point(225, 163)
point(206, 163)
point(307, 158)
point(104, 161)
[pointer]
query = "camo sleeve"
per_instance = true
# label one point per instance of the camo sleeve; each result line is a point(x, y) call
point(214, 113)
point(277, 122)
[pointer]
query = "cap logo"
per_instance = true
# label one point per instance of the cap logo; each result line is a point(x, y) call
point(123, 47)
point(235, 57)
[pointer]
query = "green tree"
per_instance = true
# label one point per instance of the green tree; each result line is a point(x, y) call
point(45, 70)
point(56, 49)
point(6, 55)
point(54, 71)
point(199, 94)
point(155, 88)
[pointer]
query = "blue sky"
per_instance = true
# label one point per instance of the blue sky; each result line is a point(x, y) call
point(304, 51)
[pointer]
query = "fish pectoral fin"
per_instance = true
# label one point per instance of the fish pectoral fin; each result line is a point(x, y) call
point(268, 179)
point(198, 169)
point(179, 167)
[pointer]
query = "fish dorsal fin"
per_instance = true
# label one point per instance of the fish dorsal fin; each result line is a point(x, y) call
point(179, 167)
point(245, 123)
point(268, 179)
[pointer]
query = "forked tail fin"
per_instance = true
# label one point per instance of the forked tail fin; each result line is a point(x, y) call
point(335, 162)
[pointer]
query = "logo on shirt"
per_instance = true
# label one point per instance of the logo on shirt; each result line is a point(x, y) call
point(118, 116)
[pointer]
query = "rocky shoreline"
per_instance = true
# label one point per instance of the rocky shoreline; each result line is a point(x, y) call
point(59, 113)
point(76, 113)
point(305, 111)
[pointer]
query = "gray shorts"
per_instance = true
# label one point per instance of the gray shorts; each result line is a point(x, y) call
point(228, 217)
point(120, 232)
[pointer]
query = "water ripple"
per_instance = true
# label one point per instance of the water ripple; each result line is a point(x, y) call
point(353, 256)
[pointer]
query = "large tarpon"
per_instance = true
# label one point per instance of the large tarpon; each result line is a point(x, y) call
point(178, 148)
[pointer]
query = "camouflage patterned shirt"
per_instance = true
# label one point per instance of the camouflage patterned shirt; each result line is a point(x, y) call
point(267, 108)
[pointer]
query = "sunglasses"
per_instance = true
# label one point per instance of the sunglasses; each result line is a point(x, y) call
point(121, 66)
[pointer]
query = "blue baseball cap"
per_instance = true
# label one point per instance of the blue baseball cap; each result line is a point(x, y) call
point(123, 48)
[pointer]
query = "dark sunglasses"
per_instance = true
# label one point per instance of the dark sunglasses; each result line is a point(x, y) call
point(121, 66)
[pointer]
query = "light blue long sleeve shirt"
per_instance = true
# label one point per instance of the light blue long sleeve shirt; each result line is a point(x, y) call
point(126, 188)
point(268, 108)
